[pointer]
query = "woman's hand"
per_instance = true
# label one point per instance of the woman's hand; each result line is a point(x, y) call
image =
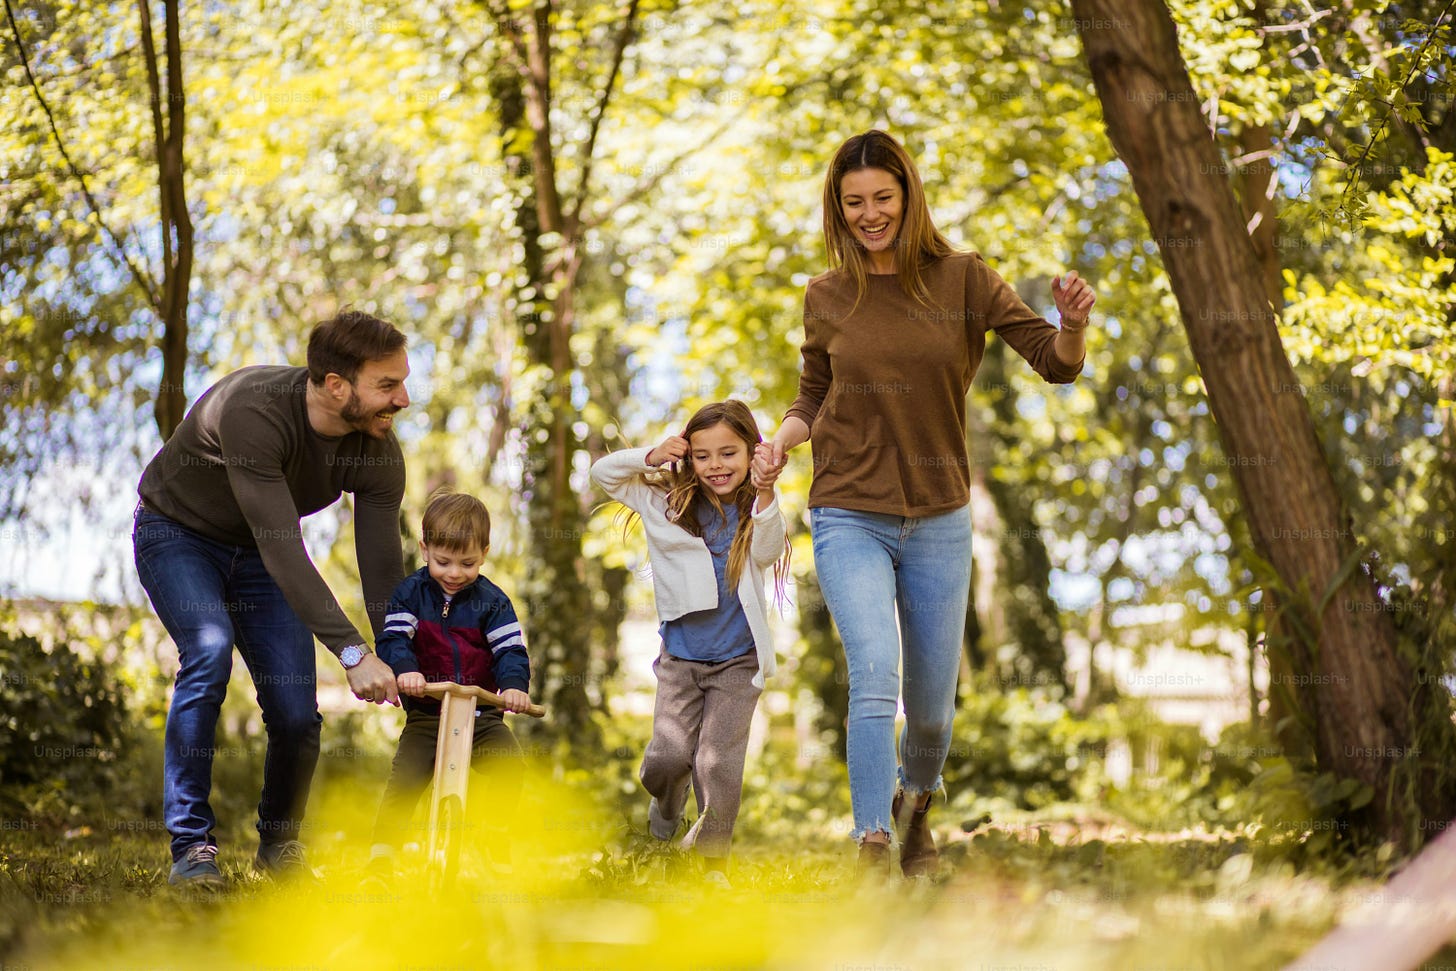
point(1074, 300)
point(791, 434)
point(761, 471)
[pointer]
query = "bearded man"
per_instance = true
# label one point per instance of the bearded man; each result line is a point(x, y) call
point(219, 550)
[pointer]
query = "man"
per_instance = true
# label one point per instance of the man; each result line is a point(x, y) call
point(220, 553)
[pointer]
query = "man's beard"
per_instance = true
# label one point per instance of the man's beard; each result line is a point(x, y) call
point(353, 413)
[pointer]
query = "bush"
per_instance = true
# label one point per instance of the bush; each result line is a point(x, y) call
point(1020, 749)
point(64, 728)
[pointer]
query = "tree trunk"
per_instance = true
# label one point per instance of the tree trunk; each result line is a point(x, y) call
point(1355, 687)
point(552, 235)
point(1256, 184)
point(171, 403)
point(555, 593)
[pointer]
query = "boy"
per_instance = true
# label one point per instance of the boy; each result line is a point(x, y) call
point(446, 622)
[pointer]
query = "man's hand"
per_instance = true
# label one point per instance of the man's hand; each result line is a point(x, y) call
point(372, 680)
point(411, 683)
point(515, 699)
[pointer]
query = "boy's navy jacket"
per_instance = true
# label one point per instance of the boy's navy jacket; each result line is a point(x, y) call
point(478, 640)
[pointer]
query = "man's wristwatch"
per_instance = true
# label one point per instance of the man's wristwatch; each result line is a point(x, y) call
point(351, 655)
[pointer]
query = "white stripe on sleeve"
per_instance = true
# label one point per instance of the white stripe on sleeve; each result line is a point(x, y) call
point(516, 641)
point(503, 631)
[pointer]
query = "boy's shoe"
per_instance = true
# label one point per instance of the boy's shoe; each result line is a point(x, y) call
point(284, 861)
point(657, 825)
point(197, 868)
point(378, 873)
point(918, 855)
point(499, 858)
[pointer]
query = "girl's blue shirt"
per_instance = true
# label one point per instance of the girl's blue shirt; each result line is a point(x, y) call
point(723, 632)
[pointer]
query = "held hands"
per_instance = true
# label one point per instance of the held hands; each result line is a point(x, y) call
point(515, 700)
point(672, 449)
point(1074, 300)
point(764, 470)
point(769, 459)
point(373, 680)
point(412, 683)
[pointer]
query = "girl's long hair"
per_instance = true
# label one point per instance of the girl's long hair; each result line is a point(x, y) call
point(918, 241)
point(687, 496)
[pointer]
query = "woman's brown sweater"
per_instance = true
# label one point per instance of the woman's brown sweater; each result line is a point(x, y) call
point(885, 378)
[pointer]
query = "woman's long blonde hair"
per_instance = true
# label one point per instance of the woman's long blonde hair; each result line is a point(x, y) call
point(686, 495)
point(918, 241)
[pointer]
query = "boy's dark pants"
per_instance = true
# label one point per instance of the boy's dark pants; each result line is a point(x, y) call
point(414, 769)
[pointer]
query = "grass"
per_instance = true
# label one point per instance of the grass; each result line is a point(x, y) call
point(1066, 887)
point(589, 890)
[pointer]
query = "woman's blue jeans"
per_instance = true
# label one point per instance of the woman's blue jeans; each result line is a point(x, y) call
point(210, 596)
point(875, 570)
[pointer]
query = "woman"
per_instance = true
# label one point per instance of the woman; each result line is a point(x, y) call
point(893, 334)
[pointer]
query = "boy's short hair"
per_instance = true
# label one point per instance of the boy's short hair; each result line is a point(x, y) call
point(457, 522)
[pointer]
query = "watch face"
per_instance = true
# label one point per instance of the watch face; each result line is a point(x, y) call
point(350, 656)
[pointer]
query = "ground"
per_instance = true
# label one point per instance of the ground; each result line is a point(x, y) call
point(588, 889)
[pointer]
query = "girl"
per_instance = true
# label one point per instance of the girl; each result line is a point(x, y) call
point(712, 528)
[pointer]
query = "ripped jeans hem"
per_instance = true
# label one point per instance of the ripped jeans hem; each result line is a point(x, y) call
point(859, 834)
point(918, 791)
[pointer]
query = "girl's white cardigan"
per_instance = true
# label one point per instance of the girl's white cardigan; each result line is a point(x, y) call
point(682, 567)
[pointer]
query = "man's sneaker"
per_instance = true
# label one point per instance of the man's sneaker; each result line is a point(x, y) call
point(283, 861)
point(918, 855)
point(197, 868)
point(661, 828)
point(716, 880)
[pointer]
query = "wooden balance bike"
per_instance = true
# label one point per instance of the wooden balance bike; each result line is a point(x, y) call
point(453, 749)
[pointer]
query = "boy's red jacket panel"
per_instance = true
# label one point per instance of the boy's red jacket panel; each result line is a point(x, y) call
point(473, 637)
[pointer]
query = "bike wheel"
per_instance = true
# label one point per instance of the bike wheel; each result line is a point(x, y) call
point(449, 834)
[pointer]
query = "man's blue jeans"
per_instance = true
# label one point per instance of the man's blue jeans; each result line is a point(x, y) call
point(210, 596)
point(872, 570)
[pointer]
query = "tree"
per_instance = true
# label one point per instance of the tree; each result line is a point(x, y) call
point(168, 117)
point(1357, 684)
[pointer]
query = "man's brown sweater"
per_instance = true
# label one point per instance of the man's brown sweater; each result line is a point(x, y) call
point(245, 464)
point(885, 378)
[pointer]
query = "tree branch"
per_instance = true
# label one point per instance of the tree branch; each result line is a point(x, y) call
point(515, 45)
point(645, 186)
point(538, 115)
point(159, 131)
point(139, 274)
point(1385, 119)
point(599, 111)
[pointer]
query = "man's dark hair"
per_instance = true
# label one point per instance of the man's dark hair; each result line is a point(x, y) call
point(343, 343)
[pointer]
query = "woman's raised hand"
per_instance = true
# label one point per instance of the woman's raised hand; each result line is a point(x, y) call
point(1074, 299)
